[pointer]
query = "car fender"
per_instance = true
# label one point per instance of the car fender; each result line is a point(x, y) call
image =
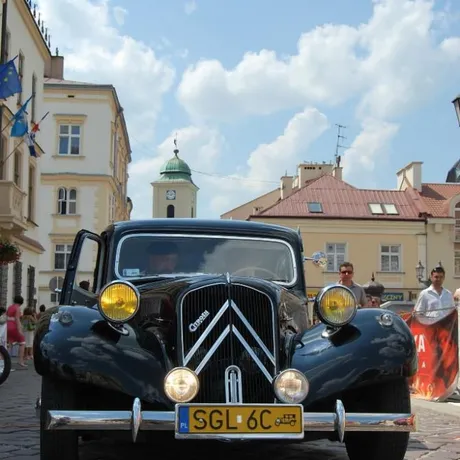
point(76, 343)
point(364, 352)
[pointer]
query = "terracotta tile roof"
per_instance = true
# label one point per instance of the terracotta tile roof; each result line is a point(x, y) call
point(437, 197)
point(341, 200)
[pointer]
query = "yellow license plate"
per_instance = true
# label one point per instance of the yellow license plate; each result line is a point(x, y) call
point(258, 420)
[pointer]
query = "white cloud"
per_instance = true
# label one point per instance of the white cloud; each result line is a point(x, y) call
point(190, 7)
point(119, 14)
point(389, 62)
point(268, 161)
point(199, 146)
point(99, 53)
point(360, 159)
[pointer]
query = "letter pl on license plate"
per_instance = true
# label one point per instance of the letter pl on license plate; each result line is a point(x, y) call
point(254, 421)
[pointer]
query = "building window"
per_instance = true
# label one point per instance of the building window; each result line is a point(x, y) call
point(457, 262)
point(335, 253)
point(390, 258)
point(376, 208)
point(61, 256)
point(170, 211)
point(33, 112)
point(20, 69)
point(30, 286)
point(31, 194)
point(3, 286)
point(67, 201)
point(17, 168)
point(390, 209)
point(69, 139)
point(314, 207)
point(457, 222)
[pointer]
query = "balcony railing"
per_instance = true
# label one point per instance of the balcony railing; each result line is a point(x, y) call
point(12, 206)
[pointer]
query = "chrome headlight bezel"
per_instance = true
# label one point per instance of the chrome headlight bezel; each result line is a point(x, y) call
point(138, 301)
point(319, 310)
point(282, 374)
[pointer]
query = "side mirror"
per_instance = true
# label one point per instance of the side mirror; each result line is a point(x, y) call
point(319, 259)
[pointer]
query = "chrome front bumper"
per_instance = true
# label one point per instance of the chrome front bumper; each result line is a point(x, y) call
point(135, 420)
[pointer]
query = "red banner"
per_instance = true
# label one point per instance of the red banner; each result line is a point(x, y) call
point(436, 338)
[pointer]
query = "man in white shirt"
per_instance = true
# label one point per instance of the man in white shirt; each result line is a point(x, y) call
point(434, 302)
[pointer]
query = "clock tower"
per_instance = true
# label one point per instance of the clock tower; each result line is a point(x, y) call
point(174, 193)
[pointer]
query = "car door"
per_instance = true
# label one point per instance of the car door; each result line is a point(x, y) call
point(83, 278)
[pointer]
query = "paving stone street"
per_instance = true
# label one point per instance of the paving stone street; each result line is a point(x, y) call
point(438, 438)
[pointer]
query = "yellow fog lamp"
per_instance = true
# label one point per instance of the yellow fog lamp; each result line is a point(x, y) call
point(119, 301)
point(181, 385)
point(336, 305)
point(291, 386)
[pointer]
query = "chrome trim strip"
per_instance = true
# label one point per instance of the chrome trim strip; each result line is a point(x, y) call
point(229, 237)
point(205, 333)
point(253, 355)
point(233, 385)
point(212, 350)
point(336, 421)
point(252, 331)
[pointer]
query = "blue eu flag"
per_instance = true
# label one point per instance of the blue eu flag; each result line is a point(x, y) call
point(9, 80)
point(20, 123)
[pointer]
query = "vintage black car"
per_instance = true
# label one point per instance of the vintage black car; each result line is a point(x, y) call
point(200, 328)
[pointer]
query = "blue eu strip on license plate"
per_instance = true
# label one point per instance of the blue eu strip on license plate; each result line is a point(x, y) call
point(184, 415)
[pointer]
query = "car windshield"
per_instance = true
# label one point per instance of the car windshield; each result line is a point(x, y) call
point(148, 255)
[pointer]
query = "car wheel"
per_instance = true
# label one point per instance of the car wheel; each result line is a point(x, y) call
point(390, 397)
point(5, 364)
point(54, 445)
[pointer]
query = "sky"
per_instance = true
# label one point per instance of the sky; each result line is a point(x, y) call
point(253, 88)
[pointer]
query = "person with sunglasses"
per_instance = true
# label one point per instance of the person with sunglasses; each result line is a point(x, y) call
point(346, 271)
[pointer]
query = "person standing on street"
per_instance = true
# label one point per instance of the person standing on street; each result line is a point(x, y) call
point(14, 328)
point(346, 271)
point(435, 302)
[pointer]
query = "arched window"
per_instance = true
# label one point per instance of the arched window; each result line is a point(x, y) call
point(170, 211)
point(67, 201)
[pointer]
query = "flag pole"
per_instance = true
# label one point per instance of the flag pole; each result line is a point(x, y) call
point(6, 159)
point(3, 52)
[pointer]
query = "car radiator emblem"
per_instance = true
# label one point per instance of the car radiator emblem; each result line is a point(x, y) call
point(192, 327)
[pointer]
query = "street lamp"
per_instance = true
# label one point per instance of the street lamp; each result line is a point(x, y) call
point(456, 103)
point(419, 271)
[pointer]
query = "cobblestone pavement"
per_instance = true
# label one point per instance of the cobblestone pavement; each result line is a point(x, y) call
point(438, 437)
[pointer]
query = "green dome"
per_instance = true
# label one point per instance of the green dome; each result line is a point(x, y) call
point(175, 169)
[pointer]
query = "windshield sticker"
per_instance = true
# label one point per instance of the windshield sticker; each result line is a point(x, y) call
point(131, 272)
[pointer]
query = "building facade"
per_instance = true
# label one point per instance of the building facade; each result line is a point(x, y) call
point(385, 233)
point(27, 40)
point(83, 176)
point(175, 193)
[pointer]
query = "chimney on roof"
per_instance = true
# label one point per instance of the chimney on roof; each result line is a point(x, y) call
point(55, 67)
point(309, 171)
point(286, 186)
point(337, 172)
point(410, 176)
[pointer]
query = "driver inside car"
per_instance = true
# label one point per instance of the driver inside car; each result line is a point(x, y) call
point(162, 258)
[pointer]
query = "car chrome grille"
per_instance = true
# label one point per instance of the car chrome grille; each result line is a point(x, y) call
point(233, 325)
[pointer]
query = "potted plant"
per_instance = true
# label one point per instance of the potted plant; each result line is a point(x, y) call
point(9, 252)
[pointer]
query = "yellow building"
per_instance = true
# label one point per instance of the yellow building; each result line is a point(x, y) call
point(382, 232)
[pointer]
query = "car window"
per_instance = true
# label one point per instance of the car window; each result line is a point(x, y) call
point(144, 255)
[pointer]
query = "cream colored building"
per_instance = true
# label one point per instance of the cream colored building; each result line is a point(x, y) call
point(382, 232)
point(175, 193)
point(83, 176)
point(19, 171)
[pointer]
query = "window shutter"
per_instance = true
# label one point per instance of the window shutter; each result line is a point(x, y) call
point(17, 279)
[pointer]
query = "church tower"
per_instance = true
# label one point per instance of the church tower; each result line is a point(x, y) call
point(174, 193)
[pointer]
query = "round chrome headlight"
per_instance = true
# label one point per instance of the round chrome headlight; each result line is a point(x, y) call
point(336, 305)
point(181, 385)
point(291, 386)
point(119, 301)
